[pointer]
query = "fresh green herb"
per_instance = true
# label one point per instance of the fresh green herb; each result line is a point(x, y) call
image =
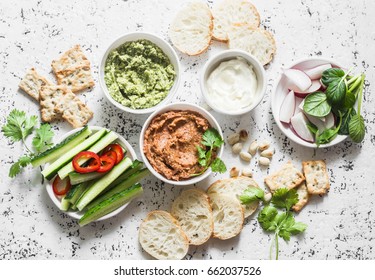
point(332, 74)
point(212, 140)
point(282, 223)
point(18, 128)
point(336, 91)
point(344, 128)
point(357, 128)
point(328, 134)
point(316, 104)
point(251, 194)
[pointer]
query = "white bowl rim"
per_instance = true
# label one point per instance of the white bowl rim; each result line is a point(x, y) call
point(172, 91)
point(221, 57)
point(78, 215)
point(291, 135)
point(170, 107)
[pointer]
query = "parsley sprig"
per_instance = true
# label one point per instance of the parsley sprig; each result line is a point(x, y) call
point(18, 128)
point(282, 223)
point(212, 140)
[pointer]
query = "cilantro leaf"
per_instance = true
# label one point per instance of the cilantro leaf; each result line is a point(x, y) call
point(218, 166)
point(211, 138)
point(43, 137)
point(266, 218)
point(251, 194)
point(18, 126)
point(17, 166)
point(284, 198)
point(297, 228)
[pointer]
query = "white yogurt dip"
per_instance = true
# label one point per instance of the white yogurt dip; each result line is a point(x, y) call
point(232, 85)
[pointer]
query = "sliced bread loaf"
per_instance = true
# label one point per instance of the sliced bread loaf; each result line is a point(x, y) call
point(257, 41)
point(191, 29)
point(161, 236)
point(228, 12)
point(234, 187)
point(193, 211)
point(228, 216)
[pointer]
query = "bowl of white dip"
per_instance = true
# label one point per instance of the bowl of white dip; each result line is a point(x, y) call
point(233, 82)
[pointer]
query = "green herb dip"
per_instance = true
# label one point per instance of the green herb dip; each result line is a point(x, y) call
point(138, 74)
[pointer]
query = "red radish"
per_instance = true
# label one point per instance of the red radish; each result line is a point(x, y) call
point(316, 72)
point(297, 109)
point(315, 86)
point(317, 122)
point(299, 123)
point(297, 80)
point(287, 107)
point(329, 121)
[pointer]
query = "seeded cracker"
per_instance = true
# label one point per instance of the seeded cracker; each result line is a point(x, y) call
point(287, 177)
point(303, 197)
point(73, 70)
point(317, 179)
point(32, 83)
point(50, 96)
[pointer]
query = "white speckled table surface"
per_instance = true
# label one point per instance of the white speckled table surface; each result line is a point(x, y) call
point(340, 224)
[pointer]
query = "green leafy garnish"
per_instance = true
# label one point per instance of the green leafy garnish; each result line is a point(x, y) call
point(18, 128)
point(42, 139)
point(357, 128)
point(212, 140)
point(284, 198)
point(251, 194)
point(316, 104)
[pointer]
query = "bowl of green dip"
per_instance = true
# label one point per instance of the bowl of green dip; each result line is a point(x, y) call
point(139, 73)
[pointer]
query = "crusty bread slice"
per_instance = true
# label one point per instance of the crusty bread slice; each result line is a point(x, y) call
point(228, 12)
point(191, 29)
point(161, 236)
point(316, 174)
point(193, 211)
point(228, 216)
point(303, 197)
point(257, 41)
point(235, 187)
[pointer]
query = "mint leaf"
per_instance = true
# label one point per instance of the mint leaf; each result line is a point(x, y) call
point(284, 198)
point(251, 194)
point(218, 166)
point(43, 137)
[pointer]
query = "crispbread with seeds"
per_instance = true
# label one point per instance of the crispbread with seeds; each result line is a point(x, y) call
point(229, 12)
point(32, 83)
point(317, 180)
point(287, 177)
point(303, 197)
point(72, 58)
point(77, 78)
point(73, 109)
point(50, 96)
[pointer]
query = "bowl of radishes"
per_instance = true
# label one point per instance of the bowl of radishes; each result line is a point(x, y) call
point(295, 84)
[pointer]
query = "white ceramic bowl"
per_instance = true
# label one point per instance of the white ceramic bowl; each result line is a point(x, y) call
point(214, 62)
point(166, 48)
point(281, 90)
point(179, 106)
point(75, 214)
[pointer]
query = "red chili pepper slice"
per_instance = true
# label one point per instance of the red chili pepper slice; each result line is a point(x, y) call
point(61, 187)
point(106, 164)
point(93, 165)
point(118, 149)
point(112, 154)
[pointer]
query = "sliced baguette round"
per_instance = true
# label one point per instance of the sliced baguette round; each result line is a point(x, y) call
point(228, 12)
point(191, 29)
point(161, 236)
point(228, 216)
point(257, 41)
point(193, 211)
point(234, 187)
